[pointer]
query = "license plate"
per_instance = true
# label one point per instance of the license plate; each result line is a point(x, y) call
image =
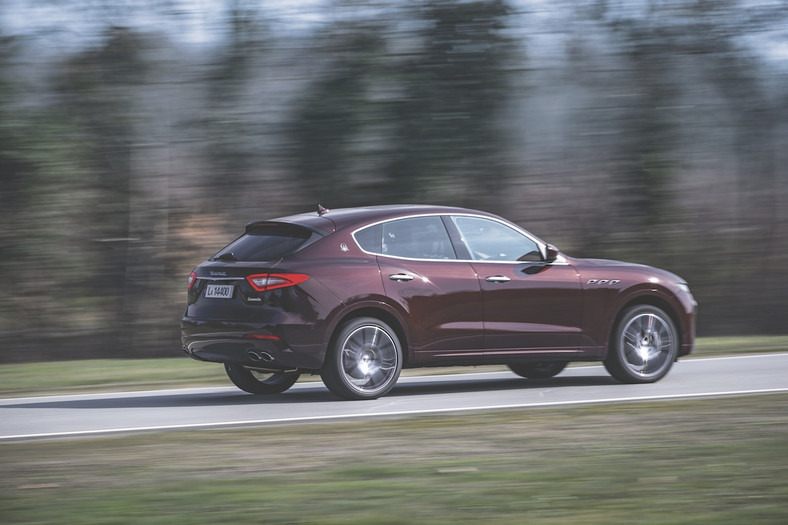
point(219, 291)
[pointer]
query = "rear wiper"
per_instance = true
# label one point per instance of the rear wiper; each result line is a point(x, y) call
point(227, 256)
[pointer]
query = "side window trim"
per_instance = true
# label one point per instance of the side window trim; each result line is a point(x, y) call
point(460, 248)
point(540, 246)
point(449, 251)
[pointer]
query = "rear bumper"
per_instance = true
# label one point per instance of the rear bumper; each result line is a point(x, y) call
point(247, 344)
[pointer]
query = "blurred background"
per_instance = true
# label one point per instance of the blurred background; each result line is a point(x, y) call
point(138, 137)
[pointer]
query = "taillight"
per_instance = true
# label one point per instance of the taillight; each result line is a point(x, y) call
point(272, 281)
point(192, 280)
point(262, 337)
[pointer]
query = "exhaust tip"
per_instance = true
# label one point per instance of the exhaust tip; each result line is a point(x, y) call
point(259, 356)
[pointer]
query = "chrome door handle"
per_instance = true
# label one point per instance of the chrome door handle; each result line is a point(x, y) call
point(498, 279)
point(401, 277)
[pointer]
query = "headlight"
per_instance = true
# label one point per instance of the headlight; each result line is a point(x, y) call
point(684, 287)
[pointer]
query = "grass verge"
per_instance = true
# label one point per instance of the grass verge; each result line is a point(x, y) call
point(113, 375)
point(716, 461)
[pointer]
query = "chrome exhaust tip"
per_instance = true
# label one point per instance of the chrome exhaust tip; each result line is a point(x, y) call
point(259, 356)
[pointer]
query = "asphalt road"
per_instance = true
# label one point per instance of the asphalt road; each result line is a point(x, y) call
point(97, 414)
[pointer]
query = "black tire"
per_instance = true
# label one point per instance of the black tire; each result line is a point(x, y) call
point(365, 360)
point(258, 381)
point(541, 370)
point(643, 346)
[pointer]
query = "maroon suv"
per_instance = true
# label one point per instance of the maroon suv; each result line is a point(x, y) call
point(357, 294)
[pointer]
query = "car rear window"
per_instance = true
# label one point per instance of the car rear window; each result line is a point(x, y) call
point(267, 242)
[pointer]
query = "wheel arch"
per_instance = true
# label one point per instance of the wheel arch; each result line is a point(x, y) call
point(649, 300)
point(378, 313)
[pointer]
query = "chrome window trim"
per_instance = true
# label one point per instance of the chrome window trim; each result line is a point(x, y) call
point(561, 261)
point(221, 278)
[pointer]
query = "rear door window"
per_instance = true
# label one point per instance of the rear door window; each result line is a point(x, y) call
point(412, 238)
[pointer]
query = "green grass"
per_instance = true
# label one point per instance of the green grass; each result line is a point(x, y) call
point(731, 345)
point(716, 461)
point(107, 375)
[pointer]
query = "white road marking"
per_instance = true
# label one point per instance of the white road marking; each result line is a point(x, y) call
point(348, 415)
point(386, 414)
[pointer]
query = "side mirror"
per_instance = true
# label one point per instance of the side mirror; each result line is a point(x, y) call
point(551, 253)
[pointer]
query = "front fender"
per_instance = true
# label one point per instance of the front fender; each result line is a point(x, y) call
point(602, 312)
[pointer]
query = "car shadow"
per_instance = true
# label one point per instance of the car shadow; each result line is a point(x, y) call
point(442, 387)
point(315, 392)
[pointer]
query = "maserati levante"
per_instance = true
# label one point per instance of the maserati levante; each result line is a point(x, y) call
point(358, 294)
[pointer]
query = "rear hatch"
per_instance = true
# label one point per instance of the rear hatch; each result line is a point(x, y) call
point(234, 283)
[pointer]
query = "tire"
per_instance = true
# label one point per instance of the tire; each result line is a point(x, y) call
point(258, 381)
point(643, 347)
point(541, 370)
point(364, 361)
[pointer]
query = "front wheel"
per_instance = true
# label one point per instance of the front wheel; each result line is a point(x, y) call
point(543, 370)
point(259, 381)
point(643, 347)
point(365, 360)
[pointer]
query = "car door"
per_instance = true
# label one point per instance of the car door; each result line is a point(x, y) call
point(439, 295)
point(530, 306)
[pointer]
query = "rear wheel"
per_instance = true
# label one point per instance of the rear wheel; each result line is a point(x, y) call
point(643, 347)
point(542, 370)
point(364, 361)
point(260, 381)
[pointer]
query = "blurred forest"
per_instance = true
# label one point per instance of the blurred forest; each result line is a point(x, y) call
point(137, 138)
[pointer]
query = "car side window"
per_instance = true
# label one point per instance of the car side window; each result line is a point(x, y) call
point(369, 239)
point(413, 238)
point(489, 240)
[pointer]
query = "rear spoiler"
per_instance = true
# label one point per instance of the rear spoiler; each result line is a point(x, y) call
point(262, 226)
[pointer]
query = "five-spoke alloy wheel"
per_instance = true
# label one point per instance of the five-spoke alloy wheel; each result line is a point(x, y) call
point(644, 345)
point(364, 361)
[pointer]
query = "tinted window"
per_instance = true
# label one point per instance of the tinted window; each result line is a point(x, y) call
point(266, 243)
point(489, 240)
point(370, 239)
point(415, 238)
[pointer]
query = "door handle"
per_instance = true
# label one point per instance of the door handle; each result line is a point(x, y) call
point(401, 277)
point(498, 279)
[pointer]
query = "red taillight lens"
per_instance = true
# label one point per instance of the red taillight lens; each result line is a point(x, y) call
point(192, 280)
point(262, 337)
point(272, 281)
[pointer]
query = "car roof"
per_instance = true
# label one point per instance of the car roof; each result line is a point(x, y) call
point(332, 220)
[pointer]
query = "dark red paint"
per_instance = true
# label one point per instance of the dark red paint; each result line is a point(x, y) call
point(444, 312)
